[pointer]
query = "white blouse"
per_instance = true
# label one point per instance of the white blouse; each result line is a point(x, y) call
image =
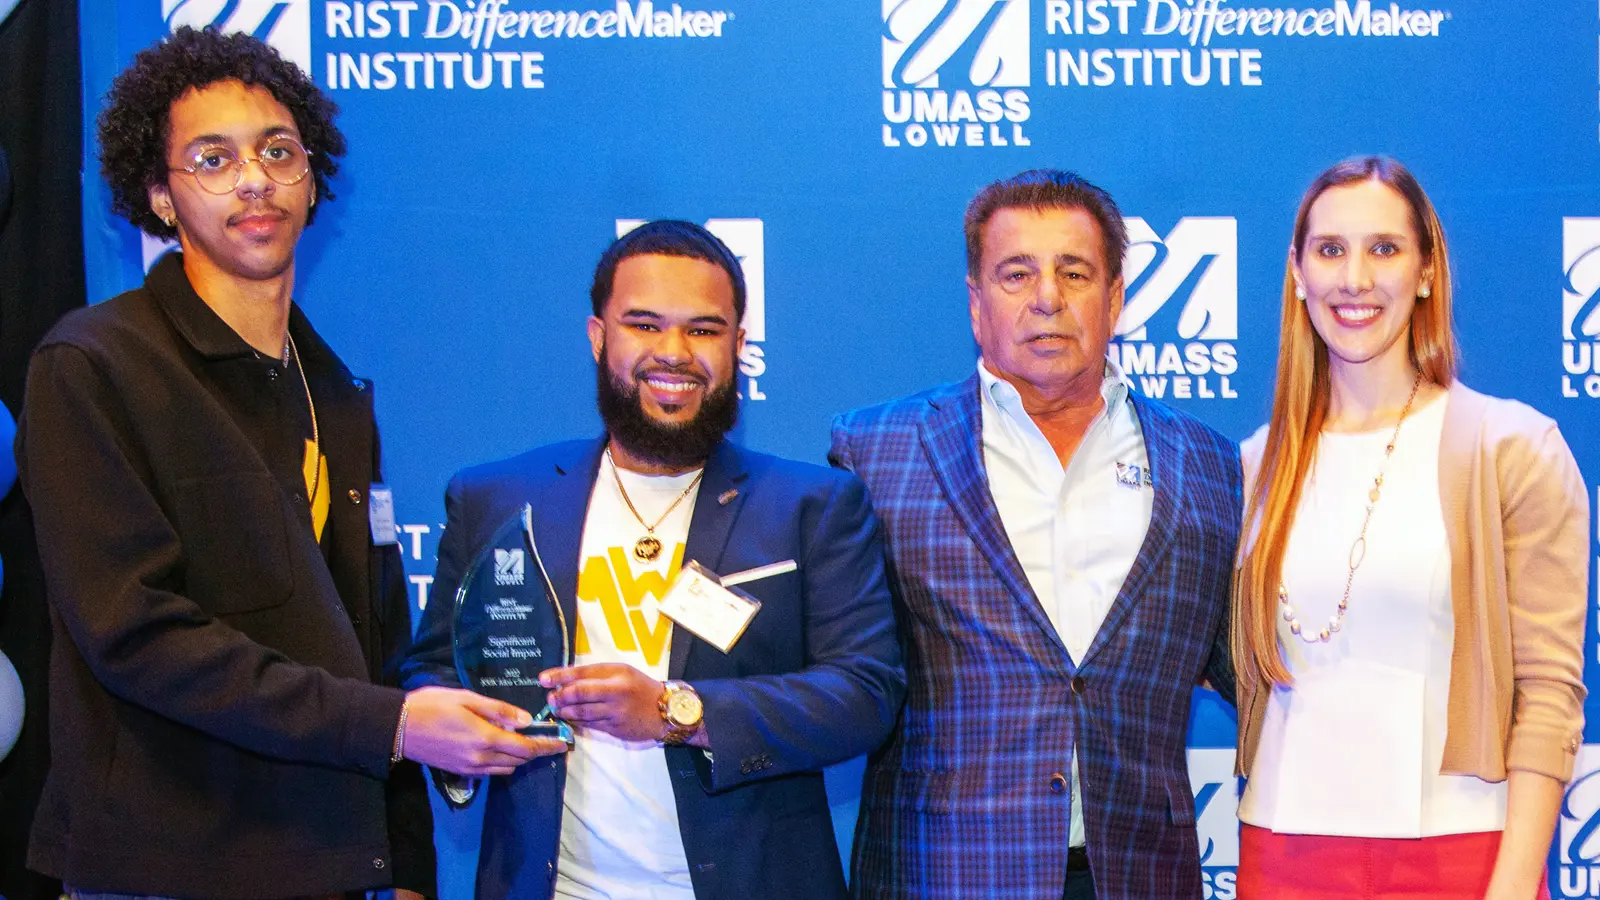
point(1353, 747)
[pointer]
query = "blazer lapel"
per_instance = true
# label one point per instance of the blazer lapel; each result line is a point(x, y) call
point(1166, 469)
point(560, 506)
point(952, 437)
point(709, 529)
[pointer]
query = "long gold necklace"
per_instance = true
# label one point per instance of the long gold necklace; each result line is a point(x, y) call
point(316, 436)
point(648, 547)
point(1358, 550)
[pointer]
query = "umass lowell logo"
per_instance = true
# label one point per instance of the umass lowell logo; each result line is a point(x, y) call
point(954, 73)
point(1580, 307)
point(1180, 319)
point(963, 38)
point(1577, 870)
point(1216, 819)
point(285, 24)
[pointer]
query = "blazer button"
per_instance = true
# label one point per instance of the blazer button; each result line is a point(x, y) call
point(1079, 685)
point(355, 496)
point(1058, 783)
point(377, 862)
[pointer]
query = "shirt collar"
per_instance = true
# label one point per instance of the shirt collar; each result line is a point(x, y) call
point(1114, 386)
point(198, 323)
point(206, 332)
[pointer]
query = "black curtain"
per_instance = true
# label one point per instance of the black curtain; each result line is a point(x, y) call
point(41, 278)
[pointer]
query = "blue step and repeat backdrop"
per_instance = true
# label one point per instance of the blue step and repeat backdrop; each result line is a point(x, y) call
point(497, 146)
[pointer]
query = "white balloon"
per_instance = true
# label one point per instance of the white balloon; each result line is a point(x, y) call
point(11, 704)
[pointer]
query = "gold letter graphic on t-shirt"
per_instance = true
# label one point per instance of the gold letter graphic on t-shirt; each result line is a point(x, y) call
point(609, 580)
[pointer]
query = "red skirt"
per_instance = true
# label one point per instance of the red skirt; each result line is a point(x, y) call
point(1314, 867)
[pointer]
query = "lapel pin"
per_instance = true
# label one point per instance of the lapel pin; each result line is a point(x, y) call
point(1133, 476)
point(727, 496)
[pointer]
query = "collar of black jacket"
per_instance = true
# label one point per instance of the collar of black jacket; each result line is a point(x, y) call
point(199, 324)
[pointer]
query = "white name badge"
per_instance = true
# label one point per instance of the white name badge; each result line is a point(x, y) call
point(697, 600)
point(380, 515)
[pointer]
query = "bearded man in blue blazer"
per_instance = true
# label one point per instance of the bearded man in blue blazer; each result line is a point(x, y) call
point(1062, 551)
point(696, 772)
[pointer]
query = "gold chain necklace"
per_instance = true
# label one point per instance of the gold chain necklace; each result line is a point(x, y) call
point(316, 436)
point(1358, 550)
point(648, 547)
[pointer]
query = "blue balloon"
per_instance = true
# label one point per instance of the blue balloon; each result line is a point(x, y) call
point(8, 455)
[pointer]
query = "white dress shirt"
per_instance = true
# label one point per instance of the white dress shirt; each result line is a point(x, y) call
point(1354, 746)
point(1076, 529)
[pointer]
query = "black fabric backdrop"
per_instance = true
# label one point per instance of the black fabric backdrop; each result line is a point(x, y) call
point(41, 277)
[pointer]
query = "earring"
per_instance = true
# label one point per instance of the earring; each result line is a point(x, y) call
point(1299, 291)
point(1424, 292)
point(169, 221)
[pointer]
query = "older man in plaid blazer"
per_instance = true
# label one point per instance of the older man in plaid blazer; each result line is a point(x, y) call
point(1062, 551)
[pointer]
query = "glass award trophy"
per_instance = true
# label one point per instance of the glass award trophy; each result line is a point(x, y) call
point(507, 626)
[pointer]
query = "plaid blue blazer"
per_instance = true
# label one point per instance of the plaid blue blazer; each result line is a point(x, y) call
point(960, 803)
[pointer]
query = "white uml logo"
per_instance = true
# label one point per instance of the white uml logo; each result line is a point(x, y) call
point(283, 24)
point(508, 566)
point(1578, 833)
point(955, 43)
point(1216, 819)
point(1580, 271)
point(1192, 274)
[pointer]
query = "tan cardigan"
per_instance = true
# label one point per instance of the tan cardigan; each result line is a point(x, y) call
point(1516, 512)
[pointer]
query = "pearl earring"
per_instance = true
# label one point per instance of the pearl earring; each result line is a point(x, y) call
point(1424, 292)
point(1299, 291)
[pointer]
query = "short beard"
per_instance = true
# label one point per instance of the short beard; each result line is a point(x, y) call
point(673, 446)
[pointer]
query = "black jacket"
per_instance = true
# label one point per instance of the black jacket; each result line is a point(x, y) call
point(217, 722)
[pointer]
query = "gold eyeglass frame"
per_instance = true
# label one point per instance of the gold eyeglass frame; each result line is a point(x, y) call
point(243, 161)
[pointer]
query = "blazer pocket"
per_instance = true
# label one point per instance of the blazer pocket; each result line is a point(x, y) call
point(235, 543)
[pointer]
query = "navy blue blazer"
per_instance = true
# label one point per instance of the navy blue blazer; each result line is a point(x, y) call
point(815, 680)
point(968, 798)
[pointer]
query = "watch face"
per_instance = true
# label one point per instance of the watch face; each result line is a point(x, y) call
point(683, 708)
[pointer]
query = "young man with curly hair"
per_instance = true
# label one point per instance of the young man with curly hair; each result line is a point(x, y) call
point(200, 463)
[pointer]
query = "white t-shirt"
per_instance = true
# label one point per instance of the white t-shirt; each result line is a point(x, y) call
point(619, 821)
point(1354, 747)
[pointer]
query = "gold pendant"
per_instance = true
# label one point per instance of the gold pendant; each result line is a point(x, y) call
point(647, 548)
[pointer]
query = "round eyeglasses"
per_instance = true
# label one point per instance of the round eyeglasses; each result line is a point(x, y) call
point(218, 171)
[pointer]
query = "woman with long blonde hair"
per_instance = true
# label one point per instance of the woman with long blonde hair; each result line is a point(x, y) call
point(1408, 625)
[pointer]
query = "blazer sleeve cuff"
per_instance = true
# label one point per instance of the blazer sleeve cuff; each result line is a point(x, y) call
point(1543, 751)
point(737, 754)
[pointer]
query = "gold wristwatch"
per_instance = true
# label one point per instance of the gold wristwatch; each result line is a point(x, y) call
point(681, 710)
